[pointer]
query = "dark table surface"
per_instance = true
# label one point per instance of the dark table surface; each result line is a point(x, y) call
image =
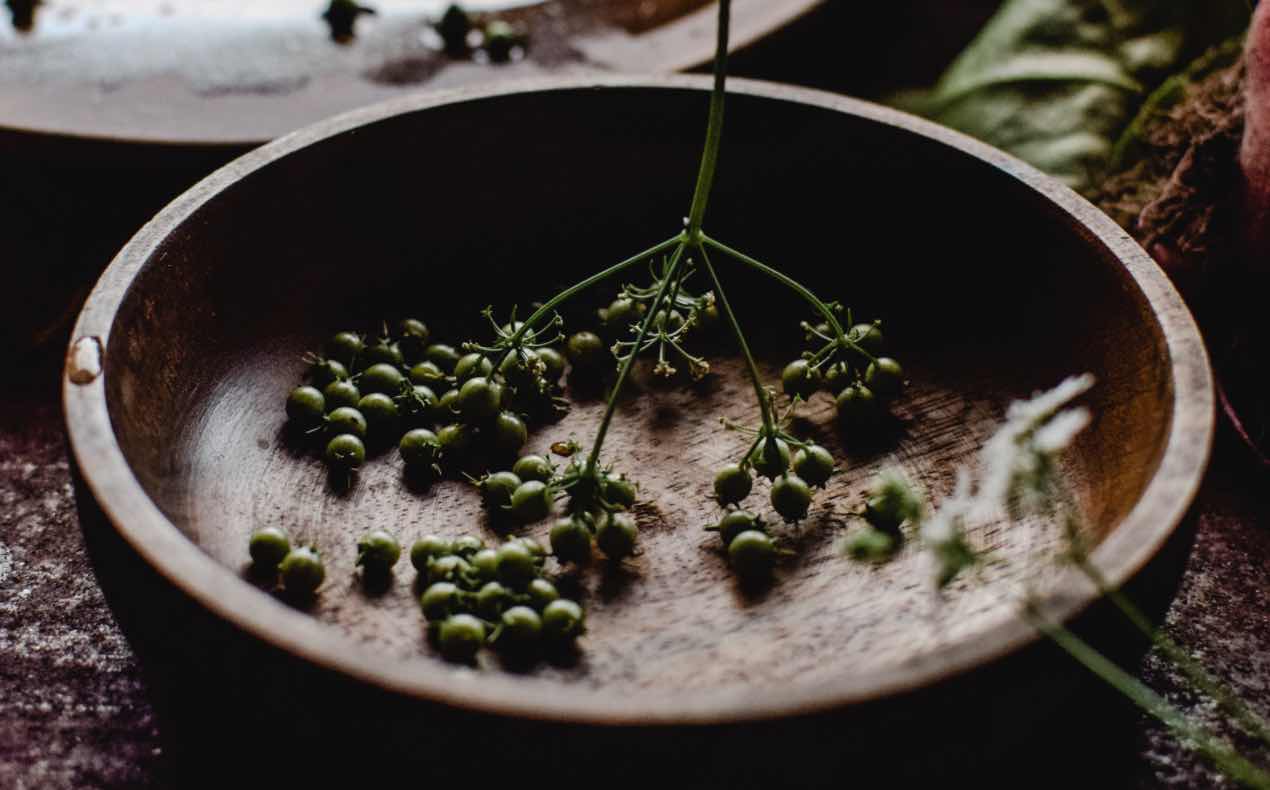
point(76, 710)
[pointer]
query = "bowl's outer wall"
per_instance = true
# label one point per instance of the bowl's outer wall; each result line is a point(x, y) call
point(995, 289)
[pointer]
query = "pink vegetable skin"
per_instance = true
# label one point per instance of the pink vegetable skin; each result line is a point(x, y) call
point(1254, 155)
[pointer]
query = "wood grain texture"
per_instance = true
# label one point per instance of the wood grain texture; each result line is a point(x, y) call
point(991, 280)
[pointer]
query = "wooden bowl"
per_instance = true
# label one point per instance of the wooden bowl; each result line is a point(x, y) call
point(992, 281)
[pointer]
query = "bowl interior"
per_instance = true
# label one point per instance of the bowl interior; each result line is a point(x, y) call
point(987, 290)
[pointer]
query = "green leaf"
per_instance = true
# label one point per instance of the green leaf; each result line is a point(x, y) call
point(1056, 82)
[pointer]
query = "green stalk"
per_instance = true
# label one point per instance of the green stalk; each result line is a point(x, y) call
point(1226, 759)
point(759, 392)
point(714, 129)
point(795, 286)
point(625, 370)
point(1205, 682)
point(594, 279)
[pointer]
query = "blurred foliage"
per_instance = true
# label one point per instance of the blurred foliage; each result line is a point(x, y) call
point(1057, 82)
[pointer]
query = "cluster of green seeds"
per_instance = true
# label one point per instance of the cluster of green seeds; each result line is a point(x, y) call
point(386, 390)
point(299, 569)
point(478, 595)
point(854, 371)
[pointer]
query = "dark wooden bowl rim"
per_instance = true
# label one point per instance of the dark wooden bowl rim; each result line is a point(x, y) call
point(1124, 552)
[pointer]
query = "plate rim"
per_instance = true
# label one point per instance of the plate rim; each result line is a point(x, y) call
point(685, 43)
point(216, 587)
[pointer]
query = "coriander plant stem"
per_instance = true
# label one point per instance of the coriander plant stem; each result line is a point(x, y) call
point(624, 372)
point(714, 129)
point(1227, 760)
point(796, 287)
point(1205, 682)
point(765, 408)
point(577, 288)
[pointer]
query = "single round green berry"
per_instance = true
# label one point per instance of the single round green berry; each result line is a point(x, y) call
point(447, 407)
point(516, 564)
point(345, 348)
point(382, 352)
point(485, 563)
point(472, 366)
point(377, 552)
point(736, 522)
point(836, 377)
point(305, 406)
point(732, 484)
point(616, 535)
point(507, 434)
point(341, 394)
point(799, 379)
point(541, 592)
point(770, 458)
point(381, 377)
point(427, 374)
point(346, 419)
point(345, 452)
point(521, 627)
point(533, 467)
point(553, 364)
point(429, 547)
point(885, 377)
point(857, 407)
point(752, 554)
point(587, 352)
point(443, 356)
point(619, 491)
point(440, 600)
point(520, 367)
point(325, 371)
point(869, 337)
point(460, 637)
point(497, 490)
point(302, 571)
point(492, 600)
point(571, 539)
point(621, 313)
point(419, 448)
point(531, 502)
point(418, 405)
point(467, 545)
point(535, 548)
point(380, 411)
point(791, 497)
point(814, 464)
point(449, 568)
point(413, 335)
point(267, 547)
point(562, 619)
point(456, 440)
point(479, 399)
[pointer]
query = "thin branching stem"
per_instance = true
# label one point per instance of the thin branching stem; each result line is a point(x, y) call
point(796, 287)
point(624, 372)
point(764, 404)
point(594, 279)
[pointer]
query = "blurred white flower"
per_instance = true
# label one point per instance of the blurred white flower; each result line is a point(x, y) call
point(1019, 460)
point(944, 532)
